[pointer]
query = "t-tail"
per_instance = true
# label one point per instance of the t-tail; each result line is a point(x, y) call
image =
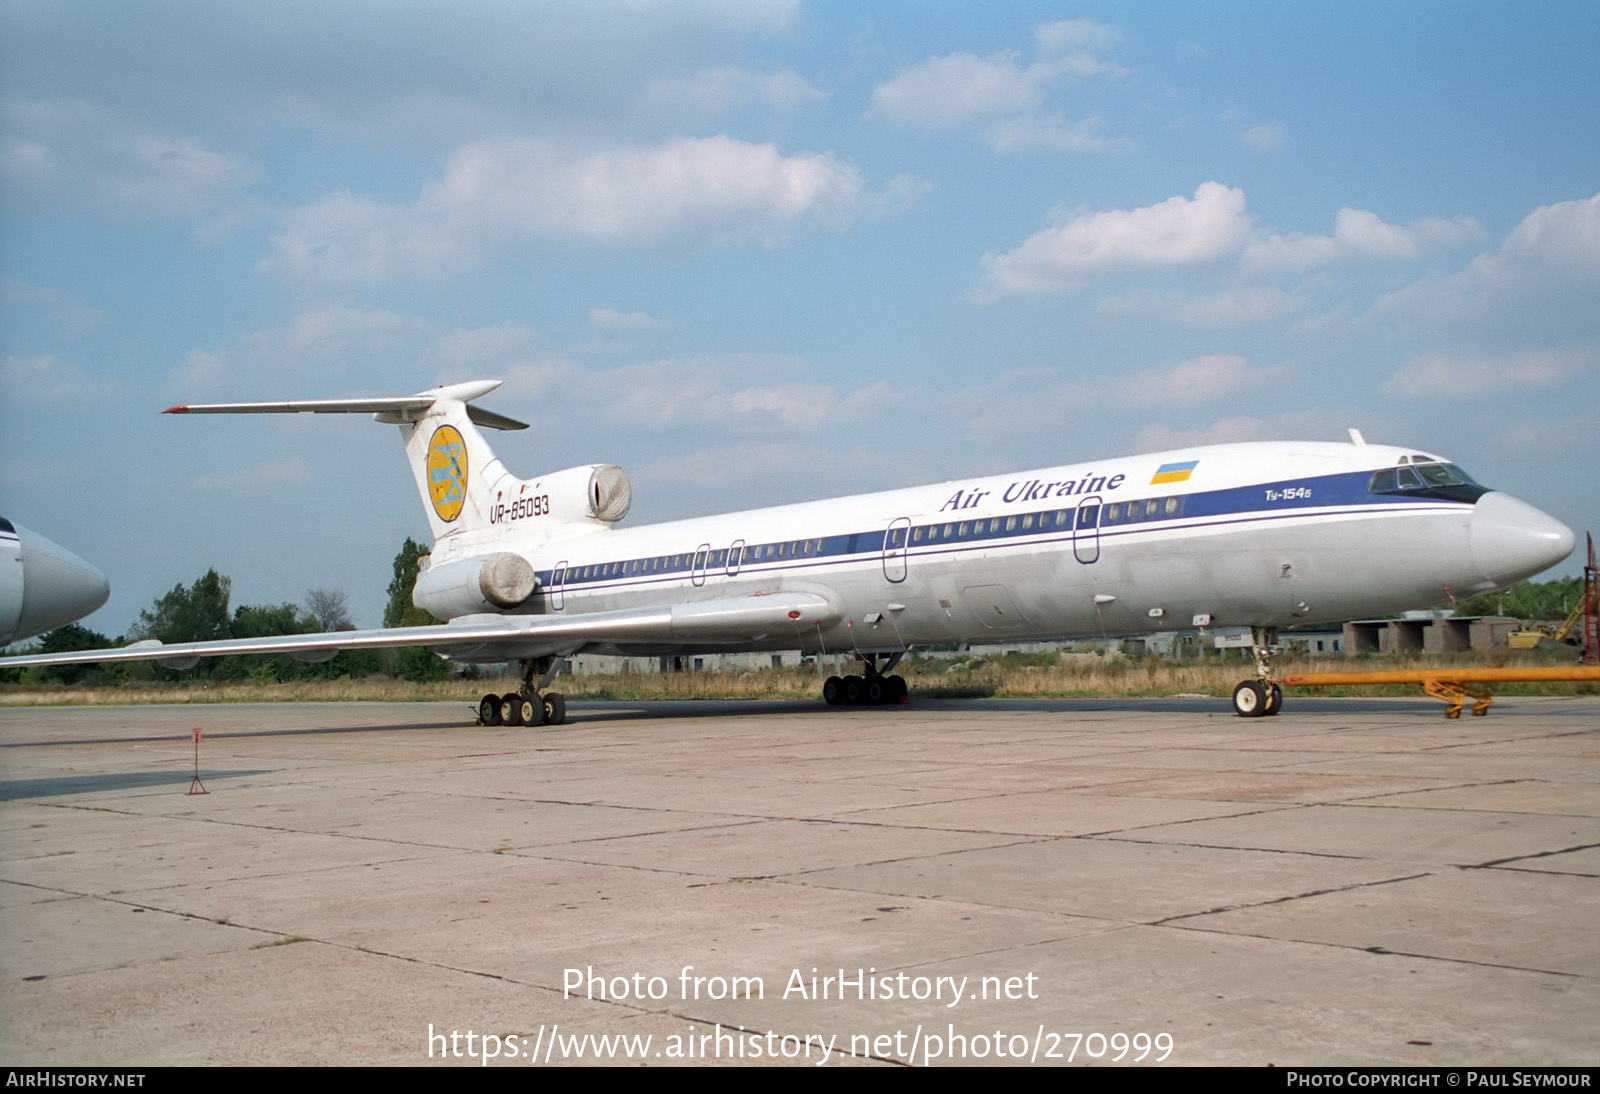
point(463, 484)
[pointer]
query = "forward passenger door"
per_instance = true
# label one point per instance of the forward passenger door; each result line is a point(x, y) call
point(896, 541)
point(1086, 531)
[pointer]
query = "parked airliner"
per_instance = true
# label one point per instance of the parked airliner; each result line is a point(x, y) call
point(1235, 539)
point(42, 584)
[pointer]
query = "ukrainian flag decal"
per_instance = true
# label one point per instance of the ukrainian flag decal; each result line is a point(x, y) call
point(1174, 472)
point(447, 472)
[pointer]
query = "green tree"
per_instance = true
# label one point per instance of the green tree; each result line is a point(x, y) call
point(68, 639)
point(187, 614)
point(261, 621)
point(400, 612)
point(1551, 599)
point(198, 614)
point(413, 662)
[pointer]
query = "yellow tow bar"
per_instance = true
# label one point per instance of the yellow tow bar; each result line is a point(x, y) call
point(1450, 685)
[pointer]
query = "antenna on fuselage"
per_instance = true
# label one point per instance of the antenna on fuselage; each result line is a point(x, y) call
point(1356, 437)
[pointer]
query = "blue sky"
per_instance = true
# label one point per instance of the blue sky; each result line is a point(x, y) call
point(765, 252)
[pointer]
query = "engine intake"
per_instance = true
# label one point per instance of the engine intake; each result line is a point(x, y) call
point(483, 583)
point(598, 491)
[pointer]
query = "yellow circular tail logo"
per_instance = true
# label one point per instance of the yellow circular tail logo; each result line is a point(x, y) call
point(447, 472)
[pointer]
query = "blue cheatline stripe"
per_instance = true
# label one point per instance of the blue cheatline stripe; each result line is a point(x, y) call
point(1340, 495)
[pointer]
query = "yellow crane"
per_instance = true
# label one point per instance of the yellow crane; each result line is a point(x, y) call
point(1529, 637)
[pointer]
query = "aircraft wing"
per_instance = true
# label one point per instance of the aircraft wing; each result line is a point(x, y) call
point(490, 638)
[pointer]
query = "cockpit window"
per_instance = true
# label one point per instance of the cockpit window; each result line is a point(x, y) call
point(1438, 474)
point(1426, 478)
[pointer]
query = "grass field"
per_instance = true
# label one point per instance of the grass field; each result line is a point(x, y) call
point(973, 675)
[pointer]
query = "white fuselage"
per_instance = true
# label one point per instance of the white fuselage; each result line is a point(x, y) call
point(1242, 535)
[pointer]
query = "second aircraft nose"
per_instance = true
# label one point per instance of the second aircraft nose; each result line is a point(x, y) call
point(1512, 540)
point(57, 586)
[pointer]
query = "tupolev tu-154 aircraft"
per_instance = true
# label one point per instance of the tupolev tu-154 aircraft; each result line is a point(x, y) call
point(1234, 539)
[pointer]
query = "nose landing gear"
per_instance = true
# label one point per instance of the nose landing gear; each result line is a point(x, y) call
point(1259, 698)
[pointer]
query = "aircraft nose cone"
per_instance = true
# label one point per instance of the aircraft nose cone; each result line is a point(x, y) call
point(1512, 540)
point(57, 586)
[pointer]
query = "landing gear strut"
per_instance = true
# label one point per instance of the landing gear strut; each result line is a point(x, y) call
point(1259, 698)
point(529, 705)
point(872, 688)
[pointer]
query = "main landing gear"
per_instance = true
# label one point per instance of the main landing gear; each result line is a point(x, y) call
point(530, 705)
point(870, 689)
point(1259, 698)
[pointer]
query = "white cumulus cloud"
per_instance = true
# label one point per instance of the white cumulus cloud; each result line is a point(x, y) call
point(958, 89)
point(496, 194)
point(1071, 37)
point(43, 379)
point(86, 155)
point(1544, 277)
point(607, 319)
point(1001, 97)
point(709, 92)
point(1361, 236)
point(1177, 232)
point(1265, 137)
point(313, 353)
point(739, 391)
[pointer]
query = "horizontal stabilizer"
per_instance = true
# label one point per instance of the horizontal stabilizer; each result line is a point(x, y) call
point(394, 409)
point(490, 420)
